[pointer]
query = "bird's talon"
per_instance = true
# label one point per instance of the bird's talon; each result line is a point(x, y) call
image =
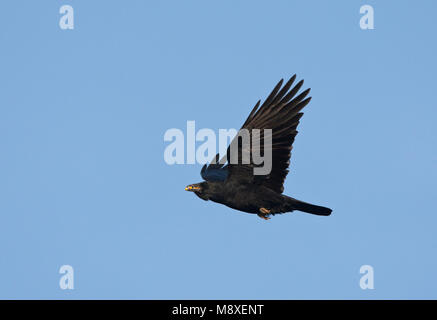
point(264, 213)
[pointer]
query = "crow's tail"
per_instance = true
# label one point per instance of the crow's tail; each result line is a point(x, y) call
point(295, 204)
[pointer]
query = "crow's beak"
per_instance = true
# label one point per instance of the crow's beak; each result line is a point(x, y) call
point(192, 188)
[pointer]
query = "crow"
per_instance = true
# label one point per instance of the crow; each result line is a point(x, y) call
point(235, 184)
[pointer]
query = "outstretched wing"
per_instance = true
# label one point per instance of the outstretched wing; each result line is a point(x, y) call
point(280, 112)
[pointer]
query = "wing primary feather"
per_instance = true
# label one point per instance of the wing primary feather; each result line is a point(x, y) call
point(293, 91)
point(272, 94)
point(283, 91)
point(273, 113)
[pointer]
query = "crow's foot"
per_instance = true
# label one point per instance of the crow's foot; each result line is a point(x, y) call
point(264, 213)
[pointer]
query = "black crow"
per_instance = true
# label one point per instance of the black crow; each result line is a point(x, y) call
point(235, 184)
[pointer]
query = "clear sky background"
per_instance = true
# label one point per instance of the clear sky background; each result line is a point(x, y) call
point(83, 181)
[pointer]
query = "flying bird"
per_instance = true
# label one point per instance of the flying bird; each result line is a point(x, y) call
point(235, 184)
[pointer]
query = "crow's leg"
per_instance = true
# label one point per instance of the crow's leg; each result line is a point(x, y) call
point(264, 213)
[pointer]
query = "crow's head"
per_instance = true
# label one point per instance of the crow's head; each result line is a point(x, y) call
point(200, 189)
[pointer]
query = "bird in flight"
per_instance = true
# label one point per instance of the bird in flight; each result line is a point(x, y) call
point(235, 184)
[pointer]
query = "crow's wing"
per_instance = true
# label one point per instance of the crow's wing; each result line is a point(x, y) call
point(280, 112)
point(215, 171)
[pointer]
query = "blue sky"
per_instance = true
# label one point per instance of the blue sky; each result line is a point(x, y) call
point(83, 181)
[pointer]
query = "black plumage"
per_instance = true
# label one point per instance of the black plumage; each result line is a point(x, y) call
point(235, 184)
